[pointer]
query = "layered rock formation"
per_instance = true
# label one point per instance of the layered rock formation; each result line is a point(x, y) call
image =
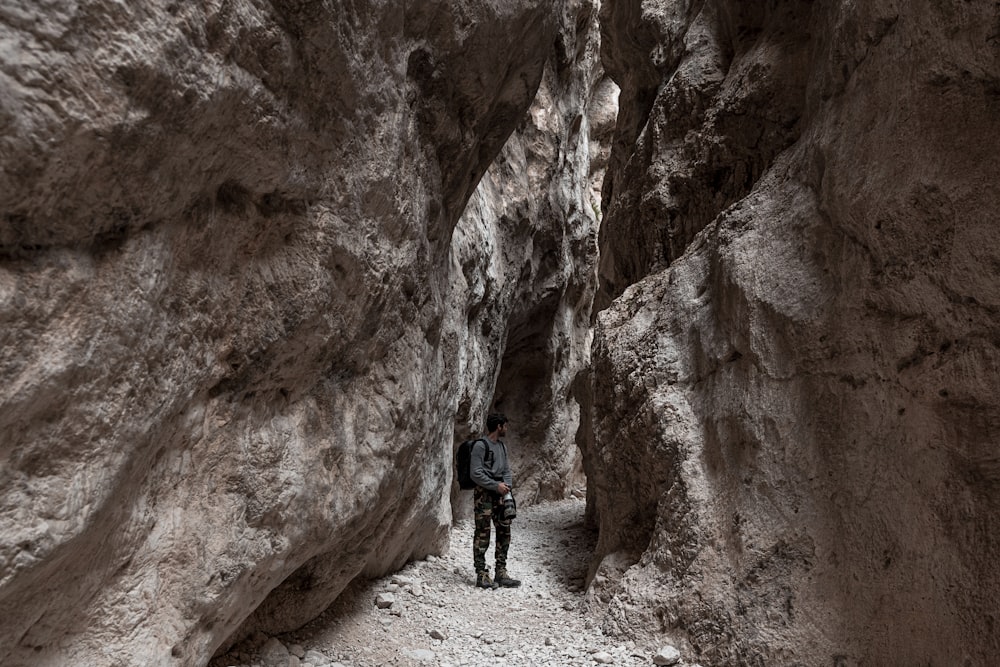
point(238, 324)
point(532, 303)
point(793, 450)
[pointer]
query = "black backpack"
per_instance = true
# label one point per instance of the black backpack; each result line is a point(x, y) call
point(463, 462)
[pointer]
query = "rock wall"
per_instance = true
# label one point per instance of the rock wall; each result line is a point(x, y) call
point(532, 303)
point(792, 414)
point(234, 344)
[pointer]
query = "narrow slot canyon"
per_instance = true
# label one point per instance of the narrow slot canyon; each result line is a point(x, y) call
point(731, 269)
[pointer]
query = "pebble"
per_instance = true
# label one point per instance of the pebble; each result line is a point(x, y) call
point(603, 658)
point(667, 655)
point(316, 658)
point(274, 654)
point(384, 600)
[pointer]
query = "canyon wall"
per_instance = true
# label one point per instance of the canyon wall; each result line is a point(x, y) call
point(261, 263)
point(533, 301)
point(240, 316)
point(792, 414)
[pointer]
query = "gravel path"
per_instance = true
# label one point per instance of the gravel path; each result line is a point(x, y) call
point(435, 616)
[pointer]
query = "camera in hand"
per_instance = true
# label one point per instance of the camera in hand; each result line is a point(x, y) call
point(509, 506)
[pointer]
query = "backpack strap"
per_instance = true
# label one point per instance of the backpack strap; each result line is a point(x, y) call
point(487, 452)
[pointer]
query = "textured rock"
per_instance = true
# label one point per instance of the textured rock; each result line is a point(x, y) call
point(543, 186)
point(233, 325)
point(274, 654)
point(316, 658)
point(736, 76)
point(667, 655)
point(794, 416)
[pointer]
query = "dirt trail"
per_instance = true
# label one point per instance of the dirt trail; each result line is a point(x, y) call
point(437, 617)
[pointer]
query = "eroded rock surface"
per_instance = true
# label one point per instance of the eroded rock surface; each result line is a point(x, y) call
point(793, 456)
point(231, 358)
point(531, 307)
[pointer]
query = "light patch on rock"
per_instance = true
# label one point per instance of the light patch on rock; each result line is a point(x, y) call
point(421, 655)
point(316, 658)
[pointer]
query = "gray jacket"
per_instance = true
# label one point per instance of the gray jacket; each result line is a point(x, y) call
point(489, 471)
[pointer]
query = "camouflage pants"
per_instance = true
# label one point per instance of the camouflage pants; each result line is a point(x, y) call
point(489, 507)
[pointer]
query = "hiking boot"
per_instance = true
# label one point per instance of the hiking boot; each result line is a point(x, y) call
point(505, 580)
point(483, 580)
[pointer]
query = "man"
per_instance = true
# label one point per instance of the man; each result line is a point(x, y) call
point(490, 470)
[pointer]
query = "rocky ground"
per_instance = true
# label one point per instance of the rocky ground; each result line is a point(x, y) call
point(431, 614)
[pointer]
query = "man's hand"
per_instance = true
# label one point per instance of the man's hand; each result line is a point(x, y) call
point(502, 488)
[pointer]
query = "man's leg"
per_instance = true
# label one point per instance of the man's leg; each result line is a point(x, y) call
point(483, 512)
point(503, 544)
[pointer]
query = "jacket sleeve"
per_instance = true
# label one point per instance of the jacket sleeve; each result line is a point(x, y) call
point(477, 468)
point(508, 476)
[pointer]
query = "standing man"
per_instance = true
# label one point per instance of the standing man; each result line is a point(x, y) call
point(490, 470)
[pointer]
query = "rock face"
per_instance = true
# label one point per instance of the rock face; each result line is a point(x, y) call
point(531, 306)
point(791, 445)
point(235, 334)
point(243, 314)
